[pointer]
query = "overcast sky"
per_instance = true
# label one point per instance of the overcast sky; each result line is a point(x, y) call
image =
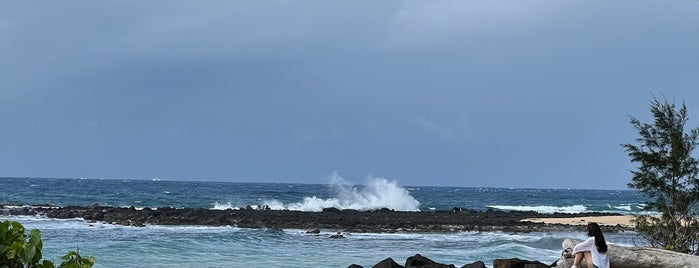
point(453, 93)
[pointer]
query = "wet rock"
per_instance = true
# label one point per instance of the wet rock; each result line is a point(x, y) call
point(331, 209)
point(478, 264)
point(355, 266)
point(387, 263)
point(314, 231)
point(382, 220)
point(338, 235)
point(97, 216)
point(517, 263)
point(419, 261)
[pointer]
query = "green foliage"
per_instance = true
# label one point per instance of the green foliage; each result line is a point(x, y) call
point(667, 173)
point(74, 260)
point(18, 250)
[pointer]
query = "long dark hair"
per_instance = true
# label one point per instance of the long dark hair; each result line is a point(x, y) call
point(594, 230)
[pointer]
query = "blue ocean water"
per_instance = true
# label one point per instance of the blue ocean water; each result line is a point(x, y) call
point(197, 246)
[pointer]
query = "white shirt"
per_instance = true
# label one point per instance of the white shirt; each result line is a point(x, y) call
point(599, 259)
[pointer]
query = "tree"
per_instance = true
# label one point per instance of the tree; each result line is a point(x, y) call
point(16, 252)
point(667, 173)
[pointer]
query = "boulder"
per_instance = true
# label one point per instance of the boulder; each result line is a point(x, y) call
point(355, 266)
point(517, 263)
point(478, 264)
point(636, 257)
point(338, 235)
point(387, 263)
point(424, 262)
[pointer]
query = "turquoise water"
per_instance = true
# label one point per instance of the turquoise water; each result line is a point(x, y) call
point(195, 246)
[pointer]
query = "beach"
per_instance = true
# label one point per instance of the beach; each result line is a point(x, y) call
point(613, 220)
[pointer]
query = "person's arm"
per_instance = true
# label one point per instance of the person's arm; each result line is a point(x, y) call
point(585, 245)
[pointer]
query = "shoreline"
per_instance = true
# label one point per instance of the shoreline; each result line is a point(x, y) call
point(605, 221)
point(353, 221)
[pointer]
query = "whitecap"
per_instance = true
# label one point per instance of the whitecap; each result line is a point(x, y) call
point(219, 206)
point(376, 194)
point(544, 209)
point(626, 207)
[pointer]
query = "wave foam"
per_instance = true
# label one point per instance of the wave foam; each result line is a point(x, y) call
point(627, 207)
point(376, 194)
point(220, 206)
point(544, 209)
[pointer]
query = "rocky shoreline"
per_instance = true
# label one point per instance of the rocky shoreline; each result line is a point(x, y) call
point(419, 261)
point(380, 221)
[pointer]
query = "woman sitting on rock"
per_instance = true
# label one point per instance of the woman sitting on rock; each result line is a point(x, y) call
point(593, 249)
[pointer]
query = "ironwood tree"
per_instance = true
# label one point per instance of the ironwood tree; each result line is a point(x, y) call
point(667, 173)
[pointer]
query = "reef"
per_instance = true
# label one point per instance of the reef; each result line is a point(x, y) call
point(382, 220)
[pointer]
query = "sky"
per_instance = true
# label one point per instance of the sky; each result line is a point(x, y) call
point(448, 93)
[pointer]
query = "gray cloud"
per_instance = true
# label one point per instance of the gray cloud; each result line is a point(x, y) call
point(458, 91)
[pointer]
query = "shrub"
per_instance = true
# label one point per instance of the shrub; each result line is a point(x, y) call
point(18, 250)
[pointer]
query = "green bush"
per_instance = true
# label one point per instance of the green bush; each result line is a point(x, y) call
point(18, 250)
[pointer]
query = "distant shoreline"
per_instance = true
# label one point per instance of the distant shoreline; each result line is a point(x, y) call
point(374, 221)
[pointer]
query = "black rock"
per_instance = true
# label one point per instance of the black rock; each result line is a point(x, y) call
point(478, 264)
point(331, 209)
point(355, 266)
point(338, 235)
point(314, 231)
point(387, 263)
point(424, 262)
point(381, 220)
point(517, 263)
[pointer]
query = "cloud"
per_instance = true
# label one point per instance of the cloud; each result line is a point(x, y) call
point(231, 79)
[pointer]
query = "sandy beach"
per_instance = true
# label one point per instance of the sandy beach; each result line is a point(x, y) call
point(602, 220)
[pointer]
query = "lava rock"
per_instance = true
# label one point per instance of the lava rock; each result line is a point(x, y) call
point(418, 261)
point(517, 263)
point(387, 263)
point(478, 264)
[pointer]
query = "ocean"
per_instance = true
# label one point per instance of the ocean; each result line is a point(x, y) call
point(199, 246)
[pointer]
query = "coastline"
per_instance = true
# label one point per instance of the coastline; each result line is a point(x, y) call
point(373, 221)
point(609, 220)
point(343, 229)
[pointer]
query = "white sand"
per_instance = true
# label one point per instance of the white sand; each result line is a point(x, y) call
point(601, 220)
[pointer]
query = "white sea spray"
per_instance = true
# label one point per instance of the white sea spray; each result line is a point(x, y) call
point(376, 194)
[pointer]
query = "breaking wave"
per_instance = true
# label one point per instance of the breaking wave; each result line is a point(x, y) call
point(544, 209)
point(376, 194)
